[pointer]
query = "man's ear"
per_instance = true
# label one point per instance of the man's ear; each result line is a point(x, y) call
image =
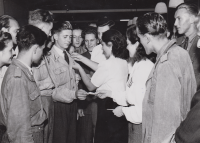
point(193, 19)
point(110, 44)
point(34, 48)
point(147, 37)
point(55, 36)
point(4, 29)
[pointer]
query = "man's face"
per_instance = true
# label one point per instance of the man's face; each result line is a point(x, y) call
point(13, 30)
point(182, 20)
point(101, 30)
point(90, 41)
point(8, 53)
point(63, 38)
point(77, 39)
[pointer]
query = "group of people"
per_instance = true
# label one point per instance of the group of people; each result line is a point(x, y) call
point(68, 84)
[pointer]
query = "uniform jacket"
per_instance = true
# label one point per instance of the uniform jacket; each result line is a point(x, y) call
point(170, 87)
point(21, 103)
point(194, 53)
point(62, 75)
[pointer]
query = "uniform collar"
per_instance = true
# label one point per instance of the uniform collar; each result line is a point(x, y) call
point(24, 68)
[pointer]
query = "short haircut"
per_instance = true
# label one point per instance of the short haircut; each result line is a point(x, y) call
point(28, 36)
point(4, 39)
point(39, 15)
point(133, 38)
point(90, 30)
point(190, 7)
point(118, 41)
point(5, 21)
point(153, 24)
point(61, 25)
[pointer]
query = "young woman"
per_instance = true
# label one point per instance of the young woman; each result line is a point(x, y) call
point(109, 75)
point(131, 99)
point(6, 55)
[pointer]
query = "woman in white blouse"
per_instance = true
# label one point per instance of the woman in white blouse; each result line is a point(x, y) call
point(109, 75)
point(130, 101)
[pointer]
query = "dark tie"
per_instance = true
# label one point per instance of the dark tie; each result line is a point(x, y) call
point(185, 43)
point(66, 56)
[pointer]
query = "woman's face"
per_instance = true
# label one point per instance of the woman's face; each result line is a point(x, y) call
point(107, 49)
point(131, 48)
point(7, 54)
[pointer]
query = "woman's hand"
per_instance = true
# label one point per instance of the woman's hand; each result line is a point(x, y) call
point(118, 111)
point(76, 66)
point(77, 57)
point(103, 93)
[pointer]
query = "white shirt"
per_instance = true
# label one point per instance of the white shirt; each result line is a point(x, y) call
point(97, 54)
point(111, 75)
point(135, 91)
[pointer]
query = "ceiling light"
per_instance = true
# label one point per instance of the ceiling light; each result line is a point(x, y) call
point(161, 8)
point(175, 3)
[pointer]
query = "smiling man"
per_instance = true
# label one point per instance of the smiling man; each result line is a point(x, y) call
point(186, 15)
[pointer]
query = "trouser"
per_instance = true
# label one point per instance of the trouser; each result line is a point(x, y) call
point(2, 131)
point(65, 117)
point(48, 125)
point(37, 131)
point(109, 128)
point(135, 133)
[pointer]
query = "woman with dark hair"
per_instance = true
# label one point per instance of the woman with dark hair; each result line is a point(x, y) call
point(130, 101)
point(170, 85)
point(6, 55)
point(109, 75)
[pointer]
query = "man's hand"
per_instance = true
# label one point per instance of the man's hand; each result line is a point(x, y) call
point(118, 111)
point(81, 94)
point(104, 93)
point(80, 113)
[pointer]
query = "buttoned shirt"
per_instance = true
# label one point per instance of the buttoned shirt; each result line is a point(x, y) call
point(135, 91)
point(111, 75)
point(97, 54)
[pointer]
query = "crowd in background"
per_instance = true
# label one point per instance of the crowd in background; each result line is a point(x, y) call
point(64, 83)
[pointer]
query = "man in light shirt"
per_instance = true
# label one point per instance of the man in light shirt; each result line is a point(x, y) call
point(104, 25)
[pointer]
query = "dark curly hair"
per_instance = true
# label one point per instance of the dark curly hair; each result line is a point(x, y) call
point(133, 38)
point(119, 43)
point(153, 24)
point(4, 39)
point(30, 35)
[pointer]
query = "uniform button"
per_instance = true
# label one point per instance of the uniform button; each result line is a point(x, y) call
point(39, 128)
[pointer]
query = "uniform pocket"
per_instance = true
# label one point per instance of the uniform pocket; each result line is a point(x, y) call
point(62, 75)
